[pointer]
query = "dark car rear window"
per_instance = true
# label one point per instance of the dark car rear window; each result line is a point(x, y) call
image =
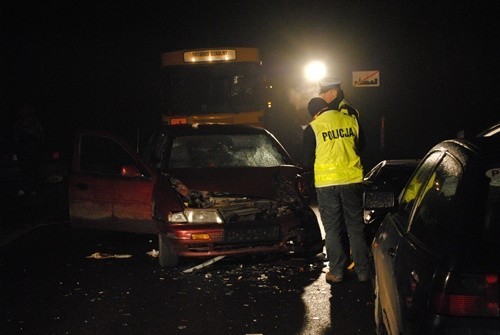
point(435, 216)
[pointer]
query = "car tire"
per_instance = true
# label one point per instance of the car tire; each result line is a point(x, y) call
point(167, 255)
point(313, 241)
point(379, 318)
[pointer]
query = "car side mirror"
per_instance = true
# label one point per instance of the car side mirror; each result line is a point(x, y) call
point(375, 199)
point(130, 171)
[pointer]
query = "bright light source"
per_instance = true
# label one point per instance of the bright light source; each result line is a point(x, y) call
point(315, 71)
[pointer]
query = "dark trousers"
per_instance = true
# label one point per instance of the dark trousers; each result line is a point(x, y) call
point(335, 202)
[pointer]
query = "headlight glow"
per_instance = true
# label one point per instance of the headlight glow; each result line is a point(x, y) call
point(315, 71)
point(177, 217)
point(196, 215)
point(201, 215)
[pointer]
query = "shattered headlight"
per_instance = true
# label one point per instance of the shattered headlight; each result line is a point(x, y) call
point(196, 215)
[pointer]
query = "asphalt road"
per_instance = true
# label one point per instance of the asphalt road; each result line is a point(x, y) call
point(50, 283)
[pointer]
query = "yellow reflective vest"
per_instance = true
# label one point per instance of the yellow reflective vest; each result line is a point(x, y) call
point(336, 162)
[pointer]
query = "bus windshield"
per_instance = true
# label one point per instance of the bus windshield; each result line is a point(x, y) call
point(223, 90)
point(225, 87)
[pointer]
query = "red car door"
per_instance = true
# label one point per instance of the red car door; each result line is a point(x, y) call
point(110, 187)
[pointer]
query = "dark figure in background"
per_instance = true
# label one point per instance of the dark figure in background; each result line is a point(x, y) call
point(29, 140)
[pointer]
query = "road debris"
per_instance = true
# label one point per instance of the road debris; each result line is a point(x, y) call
point(204, 264)
point(153, 253)
point(101, 255)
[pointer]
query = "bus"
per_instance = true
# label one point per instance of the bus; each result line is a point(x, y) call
point(214, 85)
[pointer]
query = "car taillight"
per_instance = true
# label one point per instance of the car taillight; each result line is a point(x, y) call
point(302, 186)
point(467, 295)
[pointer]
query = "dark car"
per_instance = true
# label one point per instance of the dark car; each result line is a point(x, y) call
point(52, 168)
point(207, 190)
point(437, 252)
point(388, 175)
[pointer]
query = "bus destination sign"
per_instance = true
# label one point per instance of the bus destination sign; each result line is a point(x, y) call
point(209, 55)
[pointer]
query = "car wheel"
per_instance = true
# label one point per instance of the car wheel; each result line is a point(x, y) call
point(167, 256)
point(313, 241)
point(379, 317)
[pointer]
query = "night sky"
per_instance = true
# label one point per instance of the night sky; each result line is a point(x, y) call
point(96, 63)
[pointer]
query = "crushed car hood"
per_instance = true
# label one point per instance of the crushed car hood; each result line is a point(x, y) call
point(234, 192)
point(238, 181)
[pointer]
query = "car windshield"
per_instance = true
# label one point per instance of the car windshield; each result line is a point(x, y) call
point(235, 150)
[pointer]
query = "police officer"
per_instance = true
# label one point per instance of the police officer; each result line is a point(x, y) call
point(332, 143)
point(330, 91)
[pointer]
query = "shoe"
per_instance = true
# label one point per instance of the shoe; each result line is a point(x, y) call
point(331, 278)
point(320, 257)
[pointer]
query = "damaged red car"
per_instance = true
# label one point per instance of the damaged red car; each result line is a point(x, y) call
point(206, 190)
